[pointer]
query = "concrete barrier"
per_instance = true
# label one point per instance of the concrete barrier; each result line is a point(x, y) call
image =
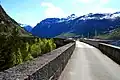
point(111, 51)
point(46, 67)
point(95, 42)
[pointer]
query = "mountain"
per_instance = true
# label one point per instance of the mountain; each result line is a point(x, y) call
point(28, 28)
point(46, 28)
point(11, 40)
point(8, 25)
point(17, 45)
point(82, 25)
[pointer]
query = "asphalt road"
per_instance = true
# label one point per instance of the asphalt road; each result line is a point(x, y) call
point(89, 63)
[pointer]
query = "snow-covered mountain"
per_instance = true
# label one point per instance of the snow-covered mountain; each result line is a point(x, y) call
point(100, 16)
point(82, 25)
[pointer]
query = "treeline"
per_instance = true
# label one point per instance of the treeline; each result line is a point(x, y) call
point(15, 50)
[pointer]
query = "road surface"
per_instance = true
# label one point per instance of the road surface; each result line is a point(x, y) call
point(89, 63)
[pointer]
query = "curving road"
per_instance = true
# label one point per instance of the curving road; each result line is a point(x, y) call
point(89, 63)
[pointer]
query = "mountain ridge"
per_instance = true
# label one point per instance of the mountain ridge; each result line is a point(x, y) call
point(82, 25)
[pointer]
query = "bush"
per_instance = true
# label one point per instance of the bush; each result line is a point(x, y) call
point(35, 50)
point(16, 50)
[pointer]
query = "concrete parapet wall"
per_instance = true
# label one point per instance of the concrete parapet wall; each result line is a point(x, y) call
point(95, 43)
point(112, 51)
point(46, 67)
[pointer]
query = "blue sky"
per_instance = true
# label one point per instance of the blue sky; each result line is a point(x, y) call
point(33, 11)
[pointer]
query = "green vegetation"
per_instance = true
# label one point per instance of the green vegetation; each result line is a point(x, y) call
point(18, 46)
point(66, 35)
point(115, 35)
point(16, 50)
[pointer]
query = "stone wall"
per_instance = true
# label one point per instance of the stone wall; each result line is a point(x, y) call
point(46, 67)
point(111, 51)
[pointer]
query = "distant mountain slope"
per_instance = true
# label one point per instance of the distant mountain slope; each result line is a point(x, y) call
point(83, 25)
point(28, 28)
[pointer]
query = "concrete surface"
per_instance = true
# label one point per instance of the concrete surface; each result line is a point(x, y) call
point(89, 63)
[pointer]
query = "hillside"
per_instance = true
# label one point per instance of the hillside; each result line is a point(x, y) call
point(114, 35)
point(9, 25)
point(17, 45)
point(67, 35)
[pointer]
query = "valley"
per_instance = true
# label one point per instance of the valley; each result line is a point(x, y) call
point(59, 40)
point(26, 42)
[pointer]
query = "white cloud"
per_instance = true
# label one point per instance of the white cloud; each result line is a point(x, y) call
point(103, 1)
point(47, 4)
point(103, 10)
point(93, 6)
point(52, 10)
point(85, 1)
point(92, 1)
point(80, 7)
point(99, 10)
point(96, 10)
